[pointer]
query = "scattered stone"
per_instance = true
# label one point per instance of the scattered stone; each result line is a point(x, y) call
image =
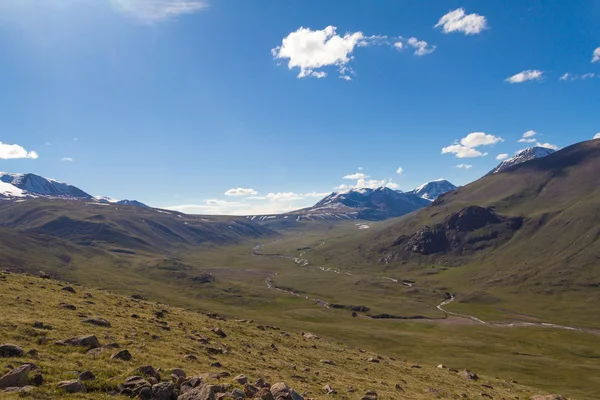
point(329, 390)
point(163, 391)
point(11, 350)
point(24, 389)
point(124, 355)
point(41, 325)
point(548, 397)
point(202, 392)
point(283, 391)
point(264, 394)
point(148, 370)
point(398, 387)
point(18, 377)
point(87, 295)
point(309, 336)
point(241, 379)
point(441, 366)
point(216, 364)
point(95, 352)
point(68, 289)
point(416, 366)
point(179, 373)
point(67, 306)
point(89, 341)
point(133, 386)
point(372, 360)
point(250, 390)
point(466, 374)
point(74, 386)
point(87, 376)
point(328, 362)
point(97, 322)
point(37, 380)
point(112, 345)
point(219, 332)
point(238, 394)
point(190, 357)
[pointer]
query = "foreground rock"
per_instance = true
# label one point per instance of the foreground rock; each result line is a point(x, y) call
point(281, 391)
point(10, 350)
point(466, 374)
point(202, 392)
point(74, 386)
point(18, 377)
point(548, 397)
point(90, 341)
point(124, 355)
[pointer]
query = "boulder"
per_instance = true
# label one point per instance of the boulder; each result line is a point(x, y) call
point(238, 394)
point(264, 394)
point(89, 341)
point(329, 390)
point(178, 373)
point(148, 370)
point(67, 306)
point(11, 350)
point(37, 379)
point(250, 390)
point(241, 379)
point(87, 376)
point(163, 391)
point(309, 336)
point(68, 289)
point(18, 377)
point(548, 397)
point(124, 355)
point(466, 374)
point(74, 386)
point(281, 391)
point(23, 389)
point(328, 362)
point(97, 321)
point(133, 386)
point(202, 392)
point(219, 332)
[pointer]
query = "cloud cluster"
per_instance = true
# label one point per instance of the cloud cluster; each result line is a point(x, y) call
point(528, 137)
point(573, 77)
point(464, 166)
point(14, 151)
point(524, 76)
point(502, 156)
point(547, 145)
point(596, 55)
point(158, 10)
point(467, 147)
point(66, 159)
point(310, 50)
point(239, 192)
point(459, 21)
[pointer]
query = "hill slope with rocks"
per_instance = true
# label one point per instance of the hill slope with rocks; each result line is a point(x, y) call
point(58, 340)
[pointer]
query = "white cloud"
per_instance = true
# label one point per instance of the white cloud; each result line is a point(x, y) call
point(528, 137)
point(241, 192)
point(392, 185)
point(463, 151)
point(421, 46)
point(12, 151)
point(158, 10)
point(524, 76)
point(400, 171)
point(502, 156)
point(597, 135)
point(345, 77)
point(285, 196)
point(216, 202)
point(459, 21)
point(572, 77)
point(360, 168)
point(467, 146)
point(464, 166)
point(358, 175)
point(309, 50)
point(547, 145)
point(399, 45)
point(476, 139)
point(66, 159)
point(596, 55)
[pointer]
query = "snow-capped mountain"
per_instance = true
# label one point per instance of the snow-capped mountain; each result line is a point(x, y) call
point(432, 190)
point(380, 203)
point(522, 156)
point(31, 185)
point(25, 186)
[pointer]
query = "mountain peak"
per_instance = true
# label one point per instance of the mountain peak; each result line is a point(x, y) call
point(528, 154)
point(432, 190)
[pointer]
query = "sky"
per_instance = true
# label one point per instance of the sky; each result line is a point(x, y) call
point(257, 107)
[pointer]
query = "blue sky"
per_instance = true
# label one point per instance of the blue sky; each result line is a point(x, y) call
point(177, 102)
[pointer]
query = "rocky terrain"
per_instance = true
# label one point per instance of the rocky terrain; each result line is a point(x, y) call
point(58, 340)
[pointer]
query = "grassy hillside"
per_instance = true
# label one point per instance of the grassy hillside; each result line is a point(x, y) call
point(166, 337)
point(526, 238)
